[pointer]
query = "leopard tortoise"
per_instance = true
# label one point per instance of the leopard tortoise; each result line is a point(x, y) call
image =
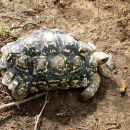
point(49, 59)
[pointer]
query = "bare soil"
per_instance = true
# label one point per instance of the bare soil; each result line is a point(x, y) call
point(103, 22)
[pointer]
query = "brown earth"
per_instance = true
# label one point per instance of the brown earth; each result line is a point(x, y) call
point(103, 22)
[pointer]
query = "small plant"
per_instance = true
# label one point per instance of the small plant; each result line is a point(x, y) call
point(125, 10)
point(1, 5)
point(3, 31)
point(13, 34)
point(121, 22)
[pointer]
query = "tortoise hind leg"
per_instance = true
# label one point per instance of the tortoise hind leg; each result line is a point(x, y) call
point(91, 89)
point(8, 77)
point(18, 88)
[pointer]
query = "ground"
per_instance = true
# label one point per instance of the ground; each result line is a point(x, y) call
point(106, 23)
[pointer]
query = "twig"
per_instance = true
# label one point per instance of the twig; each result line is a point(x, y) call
point(37, 117)
point(97, 4)
point(24, 26)
point(9, 17)
point(22, 124)
point(17, 103)
point(83, 128)
point(113, 126)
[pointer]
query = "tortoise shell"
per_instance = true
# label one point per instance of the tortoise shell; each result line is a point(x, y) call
point(47, 59)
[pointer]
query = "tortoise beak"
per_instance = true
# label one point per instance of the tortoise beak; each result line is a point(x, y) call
point(110, 63)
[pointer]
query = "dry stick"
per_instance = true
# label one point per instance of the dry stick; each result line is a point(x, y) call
point(97, 4)
point(16, 27)
point(17, 103)
point(9, 17)
point(83, 128)
point(37, 117)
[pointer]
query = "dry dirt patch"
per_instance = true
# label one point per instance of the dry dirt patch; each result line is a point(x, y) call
point(106, 23)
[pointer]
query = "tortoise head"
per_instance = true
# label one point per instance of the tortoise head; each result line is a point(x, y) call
point(101, 58)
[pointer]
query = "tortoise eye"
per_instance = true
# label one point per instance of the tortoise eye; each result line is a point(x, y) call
point(104, 60)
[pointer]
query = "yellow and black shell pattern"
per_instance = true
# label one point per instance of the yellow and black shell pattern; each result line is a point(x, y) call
point(48, 59)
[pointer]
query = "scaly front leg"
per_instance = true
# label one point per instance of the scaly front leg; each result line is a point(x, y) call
point(92, 88)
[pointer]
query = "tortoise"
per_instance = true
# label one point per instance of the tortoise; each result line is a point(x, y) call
point(49, 59)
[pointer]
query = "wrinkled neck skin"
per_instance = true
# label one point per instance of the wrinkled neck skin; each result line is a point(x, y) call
point(93, 61)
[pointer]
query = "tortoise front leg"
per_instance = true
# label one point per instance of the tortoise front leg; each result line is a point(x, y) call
point(91, 89)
